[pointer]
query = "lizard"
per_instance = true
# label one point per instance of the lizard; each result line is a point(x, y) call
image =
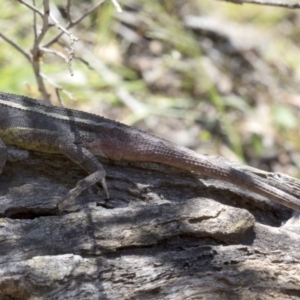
point(82, 137)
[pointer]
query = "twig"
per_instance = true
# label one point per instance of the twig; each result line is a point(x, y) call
point(73, 39)
point(73, 23)
point(37, 53)
point(89, 11)
point(63, 29)
point(32, 7)
point(58, 88)
point(68, 10)
point(117, 6)
point(267, 2)
point(17, 47)
point(35, 34)
point(57, 53)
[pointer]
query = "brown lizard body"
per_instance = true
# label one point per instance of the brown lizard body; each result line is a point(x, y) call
point(145, 147)
point(27, 123)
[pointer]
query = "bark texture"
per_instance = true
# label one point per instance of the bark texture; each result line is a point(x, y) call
point(164, 234)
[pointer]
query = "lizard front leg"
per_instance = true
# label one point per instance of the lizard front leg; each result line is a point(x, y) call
point(87, 161)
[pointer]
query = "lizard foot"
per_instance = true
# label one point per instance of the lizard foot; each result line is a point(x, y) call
point(80, 186)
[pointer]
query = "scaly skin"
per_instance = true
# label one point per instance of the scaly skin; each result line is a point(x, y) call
point(141, 146)
point(27, 123)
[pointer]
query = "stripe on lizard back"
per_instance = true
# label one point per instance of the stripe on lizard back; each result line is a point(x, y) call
point(59, 113)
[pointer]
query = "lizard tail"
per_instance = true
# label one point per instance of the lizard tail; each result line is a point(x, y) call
point(183, 158)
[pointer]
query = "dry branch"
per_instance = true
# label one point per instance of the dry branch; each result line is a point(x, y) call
point(289, 4)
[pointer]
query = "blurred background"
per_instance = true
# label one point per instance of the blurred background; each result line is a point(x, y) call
point(216, 77)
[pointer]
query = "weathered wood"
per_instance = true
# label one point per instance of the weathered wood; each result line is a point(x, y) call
point(165, 234)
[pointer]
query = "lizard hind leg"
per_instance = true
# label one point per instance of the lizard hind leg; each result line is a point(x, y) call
point(81, 186)
point(87, 161)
